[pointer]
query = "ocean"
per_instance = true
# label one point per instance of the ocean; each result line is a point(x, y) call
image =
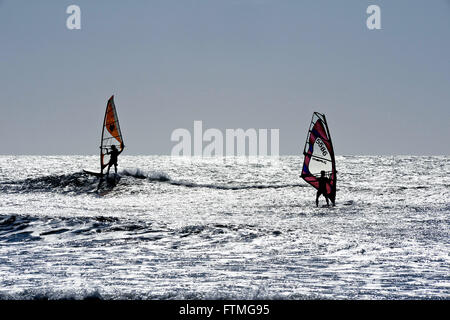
point(223, 228)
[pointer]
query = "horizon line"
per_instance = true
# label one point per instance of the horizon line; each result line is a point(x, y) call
point(225, 156)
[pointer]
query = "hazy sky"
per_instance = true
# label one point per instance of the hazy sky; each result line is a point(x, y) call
point(231, 63)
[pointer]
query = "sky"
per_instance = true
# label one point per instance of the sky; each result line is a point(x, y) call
point(263, 64)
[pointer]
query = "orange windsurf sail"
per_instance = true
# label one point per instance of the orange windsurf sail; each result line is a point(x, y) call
point(111, 134)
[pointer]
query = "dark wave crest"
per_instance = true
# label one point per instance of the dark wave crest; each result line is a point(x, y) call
point(82, 183)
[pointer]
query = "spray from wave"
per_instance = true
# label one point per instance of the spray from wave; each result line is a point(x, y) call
point(142, 174)
point(164, 177)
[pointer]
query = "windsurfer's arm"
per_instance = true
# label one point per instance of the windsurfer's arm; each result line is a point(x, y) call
point(122, 146)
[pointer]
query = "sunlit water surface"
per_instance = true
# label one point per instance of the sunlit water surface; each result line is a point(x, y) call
point(218, 228)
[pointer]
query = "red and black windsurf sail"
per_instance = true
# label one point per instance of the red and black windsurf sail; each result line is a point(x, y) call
point(319, 155)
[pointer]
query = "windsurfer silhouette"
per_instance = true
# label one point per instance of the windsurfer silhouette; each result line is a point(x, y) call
point(322, 188)
point(114, 154)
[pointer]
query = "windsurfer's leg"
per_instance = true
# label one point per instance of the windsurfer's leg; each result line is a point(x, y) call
point(317, 198)
point(115, 168)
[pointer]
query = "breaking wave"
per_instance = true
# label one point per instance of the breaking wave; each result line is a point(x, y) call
point(142, 174)
point(83, 183)
point(164, 177)
point(65, 183)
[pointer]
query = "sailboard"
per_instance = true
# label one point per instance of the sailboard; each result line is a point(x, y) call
point(319, 155)
point(111, 135)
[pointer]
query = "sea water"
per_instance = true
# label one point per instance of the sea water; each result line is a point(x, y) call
point(223, 228)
